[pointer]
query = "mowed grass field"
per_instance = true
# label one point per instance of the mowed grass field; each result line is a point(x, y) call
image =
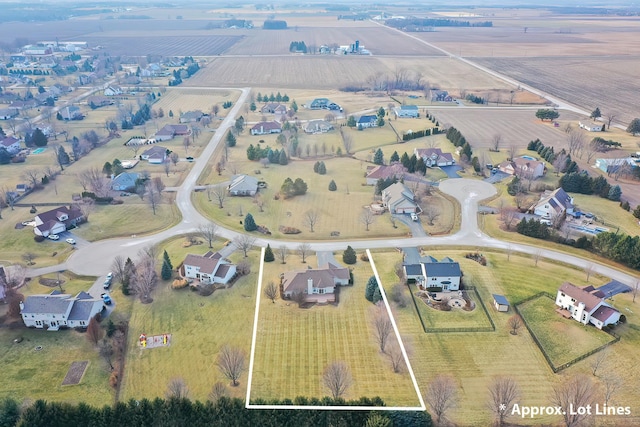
point(294, 345)
point(552, 331)
point(473, 359)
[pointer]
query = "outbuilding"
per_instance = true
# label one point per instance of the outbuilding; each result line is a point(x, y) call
point(500, 303)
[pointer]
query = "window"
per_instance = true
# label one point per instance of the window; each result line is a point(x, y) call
point(562, 294)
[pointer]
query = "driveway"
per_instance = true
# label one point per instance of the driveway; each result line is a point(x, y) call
point(451, 171)
point(411, 255)
point(415, 227)
point(497, 177)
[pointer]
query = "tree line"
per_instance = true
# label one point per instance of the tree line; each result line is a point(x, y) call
point(458, 140)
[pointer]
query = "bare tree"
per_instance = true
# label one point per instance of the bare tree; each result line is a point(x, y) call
point(536, 257)
point(118, 268)
point(177, 389)
point(496, 141)
point(396, 358)
point(220, 193)
point(610, 116)
point(271, 291)
point(146, 276)
point(576, 392)
point(441, 396)
point(600, 358)
point(244, 242)
point(503, 394)
point(208, 232)
point(153, 192)
point(337, 378)
point(311, 218)
point(513, 151)
point(94, 331)
point(431, 212)
point(217, 391)
point(382, 326)
point(347, 141)
point(106, 352)
point(515, 322)
point(611, 384)
point(282, 253)
point(8, 197)
point(28, 258)
point(508, 215)
point(576, 142)
point(560, 162)
point(174, 158)
point(303, 251)
point(367, 218)
point(230, 362)
point(94, 180)
point(32, 176)
point(186, 143)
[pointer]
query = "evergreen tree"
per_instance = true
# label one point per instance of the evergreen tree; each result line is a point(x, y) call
point(370, 289)
point(259, 97)
point(231, 139)
point(249, 223)
point(381, 112)
point(322, 169)
point(466, 150)
point(253, 107)
point(378, 157)
point(333, 186)
point(349, 256)
point(404, 159)
point(636, 212)
point(316, 165)
point(634, 127)
point(377, 295)
point(300, 187)
point(166, 272)
point(129, 274)
point(595, 114)
point(351, 122)
point(38, 138)
point(165, 258)
point(282, 159)
point(285, 98)
point(380, 122)
point(394, 157)
point(614, 193)
point(107, 169)
point(268, 254)
point(294, 106)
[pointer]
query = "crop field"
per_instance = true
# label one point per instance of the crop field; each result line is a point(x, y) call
point(608, 83)
point(178, 45)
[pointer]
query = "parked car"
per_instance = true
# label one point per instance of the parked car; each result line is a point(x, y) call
point(54, 237)
point(106, 298)
point(189, 159)
point(71, 241)
point(107, 283)
point(414, 217)
point(110, 275)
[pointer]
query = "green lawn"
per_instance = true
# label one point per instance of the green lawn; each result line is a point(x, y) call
point(562, 339)
point(294, 345)
point(608, 211)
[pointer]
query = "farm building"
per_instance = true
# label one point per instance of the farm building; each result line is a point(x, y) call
point(318, 285)
point(265, 128)
point(56, 310)
point(431, 273)
point(407, 111)
point(591, 126)
point(434, 157)
point(367, 121)
point(553, 203)
point(500, 303)
point(57, 221)
point(586, 305)
point(399, 199)
point(319, 104)
point(243, 185)
point(208, 268)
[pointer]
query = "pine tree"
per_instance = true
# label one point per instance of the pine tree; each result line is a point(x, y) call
point(249, 223)
point(370, 289)
point(349, 256)
point(129, 274)
point(165, 273)
point(378, 157)
point(282, 159)
point(231, 140)
point(165, 258)
point(636, 212)
point(351, 122)
point(38, 138)
point(268, 254)
point(333, 186)
point(377, 296)
point(316, 166)
point(322, 169)
point(394, 157)
point(614, 193)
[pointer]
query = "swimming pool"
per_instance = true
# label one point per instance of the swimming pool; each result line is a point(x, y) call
point(38, 150)
point(528, 157)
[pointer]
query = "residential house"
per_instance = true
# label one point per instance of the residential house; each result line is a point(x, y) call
point(243, 185)
point(155, 155)
point(367, 121)
point(124, 181)
point(208, 268)
point(553, 204)
point(399, 199)
point(112, 91)
point(586, 305)
point(440, 96)
point(60, 89)
point(523, 167)
point(431, 273)
point(434, 157)
point(265, 128)
point(56, 310)
point(407, 111)
point(318, 126)
point(394, 170)
point(191, 116)
point(171, 131)
point(319, 104)
point(57, 221)
point(591, 126)
point(11, 144)
point(610, 166)
point(97, 101)
point(318, 285)
point(500, 303)
point(8, 113)
point(24, 105)
point(274, 108)
point(71, 112)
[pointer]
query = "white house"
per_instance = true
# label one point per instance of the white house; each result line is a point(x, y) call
point(11, 144)
point(112, 91)
point(434, 157)
point(243, 185)
point(554, 203)
point(399, 199)
point(431, 273)
point(56, 221)
point(56, 310)
point(265, 128)
point(591, 126)
point(8, 113)
point(208, 268)
point(406, 111)
point(318, 285)
point(318, 126)
point(156, 155)
point(586, 305)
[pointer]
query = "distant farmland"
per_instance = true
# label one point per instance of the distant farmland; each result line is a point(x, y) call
point(199, 45)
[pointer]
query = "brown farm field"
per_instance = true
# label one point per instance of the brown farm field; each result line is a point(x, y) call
point(139, 44)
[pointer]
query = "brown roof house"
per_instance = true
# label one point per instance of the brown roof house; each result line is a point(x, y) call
point(394, 170)
point(208, 268)
point(57, 221)
point(318, 285)
point(170, 131)
point(586, 305)
point(523, 167)
point(434, 157)
point(399, 199)
point(265, 128)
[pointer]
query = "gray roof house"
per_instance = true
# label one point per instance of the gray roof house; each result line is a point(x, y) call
point(318, 285)
point(71, 112)
point(406, 111)
point(56, 310)
point(208, 268)
point(265, 128)
point(155, 155)
point(243, 185)
point(318, 126)
point(124, 181)
point(553, 203)
point(399, 199)
point(431, 273)
point(191, 116)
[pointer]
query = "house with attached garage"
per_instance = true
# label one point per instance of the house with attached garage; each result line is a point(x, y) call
point(591, 126)
point(112, 91)
point(266, 128)
point(209, 268)
point(8, 113)
point(367, 121)
point(274, 108)
point(191, 116)
point(554, 203)
point(399, 199)
point(318, 285)
point(11, 144)
point(430, 273)
point(395, 171)
point(585, 305)
point(124, 181)
point(71, 112)
point(318, 126)
point(243, 185)
point(169, 132)
point(57, 221)
point(406, 111)
point(523, 167)
point(57, 310)
point(434, 157)
point(155, 155)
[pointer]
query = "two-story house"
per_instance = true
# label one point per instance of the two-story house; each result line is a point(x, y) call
point(431, 273)
point(318, 285)
point(434, 157)
point(56, 310)
point(554, 203)
point(585, 305)
point(399, 199)
point(208, 268)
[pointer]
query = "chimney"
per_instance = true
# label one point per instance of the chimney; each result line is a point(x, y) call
point(309, 286)
point(21, 306)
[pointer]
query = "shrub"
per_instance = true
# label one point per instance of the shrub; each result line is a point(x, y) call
point(38, 238)
point(349, 256)
point(179, 284)
point(289, 230)
point(364, 257)
point(333, 186)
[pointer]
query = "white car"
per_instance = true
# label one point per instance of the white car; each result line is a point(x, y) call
point(414, 217)
point(110, 276)
point(71, 241)
point(54, 237)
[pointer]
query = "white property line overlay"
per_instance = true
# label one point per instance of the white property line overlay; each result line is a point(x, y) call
point(248, 405)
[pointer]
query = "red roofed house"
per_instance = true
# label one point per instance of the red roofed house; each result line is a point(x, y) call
point(208, 268)
point(394, 170)
point(318, 285)
point(57, 221)
point(586, 305)
point(434, 157)
point(265, 128)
